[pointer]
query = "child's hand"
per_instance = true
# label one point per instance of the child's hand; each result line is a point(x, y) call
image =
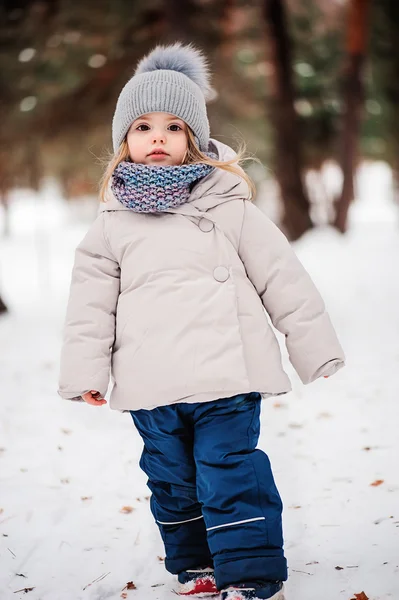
point(93, 398)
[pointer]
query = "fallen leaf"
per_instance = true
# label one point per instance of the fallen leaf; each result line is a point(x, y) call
point(280, 405)
point(129, 586)
point(1, 510)
point(126, 509)
point(64, 480)
point(86, 497)
point(314, 562)
point(26, 590)
point(160, 559)
point(361, 596)
point(20, 575)
point(66, 431)
point(339, 568)
point(367, 448)
point(377, 482)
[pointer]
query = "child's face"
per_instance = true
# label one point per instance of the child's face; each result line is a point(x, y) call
point(160, 132)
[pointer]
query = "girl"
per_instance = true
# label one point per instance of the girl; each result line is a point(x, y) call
point(168, 290)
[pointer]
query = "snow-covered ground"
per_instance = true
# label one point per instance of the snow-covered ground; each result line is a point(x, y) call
point(69, 472)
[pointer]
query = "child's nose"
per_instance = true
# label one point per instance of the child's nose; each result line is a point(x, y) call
point(159, 137)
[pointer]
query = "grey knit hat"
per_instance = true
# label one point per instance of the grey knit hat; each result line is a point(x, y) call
point(172, 79)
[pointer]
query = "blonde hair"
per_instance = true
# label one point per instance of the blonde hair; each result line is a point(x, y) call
point(193, 156)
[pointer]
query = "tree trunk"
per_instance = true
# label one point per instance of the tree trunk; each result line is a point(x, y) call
point(296, 218)
point(228, 30)
point(392, 87)
point(179, 17)
point(356, 43)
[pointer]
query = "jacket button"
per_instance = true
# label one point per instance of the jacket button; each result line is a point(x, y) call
point(205, 225)
point(221, 274)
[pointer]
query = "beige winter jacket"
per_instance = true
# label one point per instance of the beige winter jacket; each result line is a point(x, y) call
point(174, 303)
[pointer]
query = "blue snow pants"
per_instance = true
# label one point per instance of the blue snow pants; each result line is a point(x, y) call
point(213, 493)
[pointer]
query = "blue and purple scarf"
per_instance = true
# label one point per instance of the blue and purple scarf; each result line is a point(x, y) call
point(152, 188)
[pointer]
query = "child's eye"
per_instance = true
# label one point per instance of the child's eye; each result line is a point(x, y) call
point(139, 128)
point(175, 127)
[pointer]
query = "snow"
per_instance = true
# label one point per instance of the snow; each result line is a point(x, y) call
point(67, 469)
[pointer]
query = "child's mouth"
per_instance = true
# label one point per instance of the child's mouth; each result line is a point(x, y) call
point(158, 153)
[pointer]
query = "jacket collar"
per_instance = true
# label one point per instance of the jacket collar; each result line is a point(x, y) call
point(216, 188)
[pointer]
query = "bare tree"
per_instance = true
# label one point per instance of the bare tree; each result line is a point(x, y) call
point(356, 45)
point(296, 218)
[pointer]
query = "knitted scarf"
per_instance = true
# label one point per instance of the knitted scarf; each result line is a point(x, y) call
point(152, 188)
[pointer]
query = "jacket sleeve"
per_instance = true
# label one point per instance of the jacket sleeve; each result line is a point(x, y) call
point(289, 296)
point(89, 329)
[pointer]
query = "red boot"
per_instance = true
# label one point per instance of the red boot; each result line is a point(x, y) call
point(197, 583)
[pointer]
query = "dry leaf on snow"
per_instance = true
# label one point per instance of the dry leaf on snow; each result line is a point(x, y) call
point(361, 596)
point(129, 586)
point(374, 484)
point(127, 509)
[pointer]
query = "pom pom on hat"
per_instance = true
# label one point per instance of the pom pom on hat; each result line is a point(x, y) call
point(184, 59)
